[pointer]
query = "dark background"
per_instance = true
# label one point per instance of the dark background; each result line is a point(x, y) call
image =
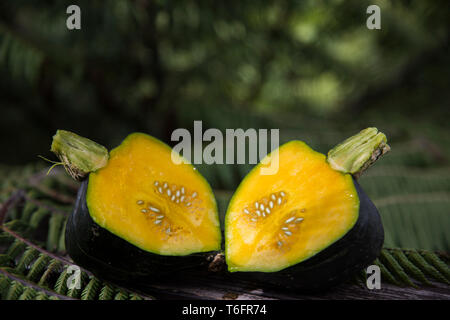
point(310, 68)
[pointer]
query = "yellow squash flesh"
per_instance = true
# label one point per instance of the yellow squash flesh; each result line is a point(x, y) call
point(325, 199)
point(120, 197)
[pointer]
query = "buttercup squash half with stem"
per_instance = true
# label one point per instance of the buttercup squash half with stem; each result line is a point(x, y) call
point(137, 214)
point(310, 224)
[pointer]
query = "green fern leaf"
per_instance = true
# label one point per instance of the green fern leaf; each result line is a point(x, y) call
point(62, 238)
point(432, 258)
point(409, 267)
point(428, 269)
point(28, 294)
point(28, 256)
point(37, 217)
point(60, 285)
point(386, 274)
point(90, 292)
point(121, 295)
point(5, 284)
point(38, 267)
point(41, 296)
point(53, 267)
point(16, 249)
point(27, 212)
point(395, 268)
point(107, 292)
point(134, 296)
point(54, 230)
point(15, 290)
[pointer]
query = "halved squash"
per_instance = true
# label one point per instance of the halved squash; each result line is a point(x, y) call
point(143, 197)
point(275, 221)
point(140, 213)
point(311, 219)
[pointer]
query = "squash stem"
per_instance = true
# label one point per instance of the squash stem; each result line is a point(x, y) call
point(79, 155)
point(358, 152)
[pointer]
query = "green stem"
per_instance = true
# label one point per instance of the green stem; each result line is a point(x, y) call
point(79, 155)
point(358, 152)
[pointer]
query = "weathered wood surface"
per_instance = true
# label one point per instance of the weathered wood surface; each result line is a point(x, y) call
point(219, 287)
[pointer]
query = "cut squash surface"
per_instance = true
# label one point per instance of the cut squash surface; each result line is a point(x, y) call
point(146, 199)
point(275, 221)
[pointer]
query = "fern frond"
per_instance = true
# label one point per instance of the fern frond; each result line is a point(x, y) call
point(16, 249)
point(15, 290)
point(41, 296)
point(391, 263)
point(121, 295)
point(5, 284)
point(27, 212)
point(37, 217)
point(90, 292)
point(53, 267)
point(409, 266)
point(54, 231)
point(427, 268)
point(107, 292)
point(432, 258)
point(38, 267)
point(28, 294)
point(28, 256)
point(60, 284)
point(386, 274)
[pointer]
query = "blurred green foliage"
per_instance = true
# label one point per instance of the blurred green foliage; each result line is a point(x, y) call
point(310, 68)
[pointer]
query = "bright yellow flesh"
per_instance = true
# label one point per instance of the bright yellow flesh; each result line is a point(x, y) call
point(120, 196)
point(326, 200)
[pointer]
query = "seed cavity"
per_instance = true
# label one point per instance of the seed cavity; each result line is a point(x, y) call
point(256, 205)
point(156, 183)
point(254, 219)
point(157, 221)
point(177, 194)
point(285, 228)
point(298, 220)
point(282, 194)
point(273, 197)
point(258, 213)
point(143, 211)
point(246, 211)
point(271, 204)
point(279, 201)
point(140, 202)
point(268, 210)
point(194, 195)
point(165, 185)
point(154, 209)
point(160, 217)
point(182, 190)
point(160, 190)
point(279, 243)
point(288, 233)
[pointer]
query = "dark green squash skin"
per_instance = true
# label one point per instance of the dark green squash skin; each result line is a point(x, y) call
point(113, 258)
point(356, 250)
